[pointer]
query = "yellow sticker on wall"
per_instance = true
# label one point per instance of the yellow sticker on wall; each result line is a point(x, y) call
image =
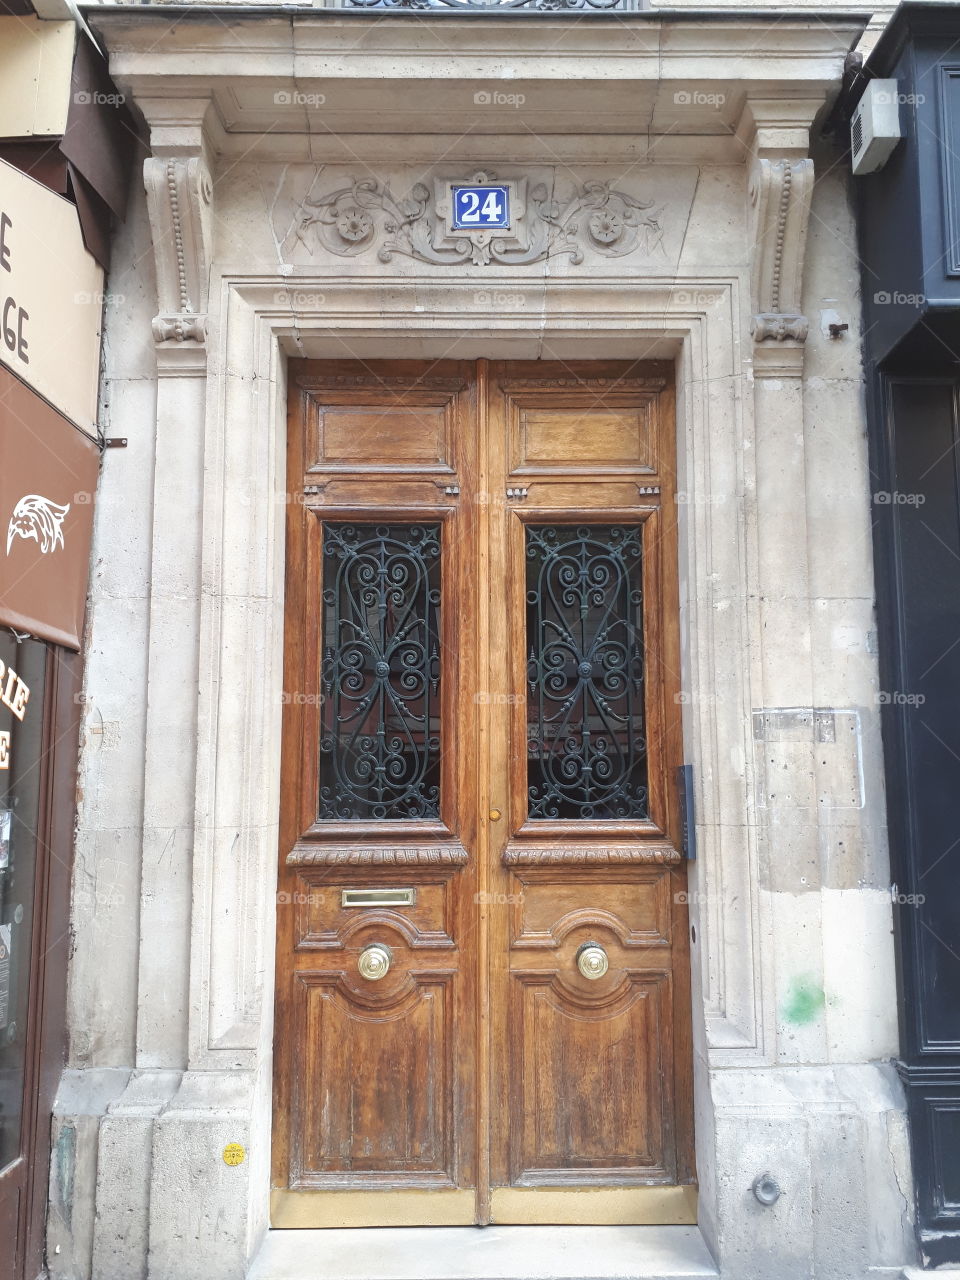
point(233, 1153)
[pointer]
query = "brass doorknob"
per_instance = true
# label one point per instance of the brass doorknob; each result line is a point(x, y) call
point(495, 815)
point(374, 962)
point(592, 960)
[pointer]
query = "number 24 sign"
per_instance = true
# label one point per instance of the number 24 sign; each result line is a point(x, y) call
point(481, 207)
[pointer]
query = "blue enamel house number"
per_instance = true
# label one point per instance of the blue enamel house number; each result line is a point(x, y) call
point(481, 208)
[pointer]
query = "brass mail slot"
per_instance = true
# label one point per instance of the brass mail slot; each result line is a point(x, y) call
point(378, 897)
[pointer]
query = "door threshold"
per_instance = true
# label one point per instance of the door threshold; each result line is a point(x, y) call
point(485, 1253)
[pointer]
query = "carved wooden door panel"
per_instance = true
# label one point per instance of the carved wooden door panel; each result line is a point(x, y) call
point(482, 975)
point(588, 974)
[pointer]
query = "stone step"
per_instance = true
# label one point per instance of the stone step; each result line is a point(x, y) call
point(490, 1253)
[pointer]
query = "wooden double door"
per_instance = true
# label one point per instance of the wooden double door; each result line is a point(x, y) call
point(482, 961)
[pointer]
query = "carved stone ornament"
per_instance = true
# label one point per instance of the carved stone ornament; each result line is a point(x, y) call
point(366, 214)
point(780, 193)
point(178, 199)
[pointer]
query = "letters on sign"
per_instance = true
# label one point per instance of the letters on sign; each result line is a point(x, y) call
point(13, 694)
point(481, 208)
point(14, 318)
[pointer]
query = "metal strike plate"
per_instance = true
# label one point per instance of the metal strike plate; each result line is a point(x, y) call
point(378, 897)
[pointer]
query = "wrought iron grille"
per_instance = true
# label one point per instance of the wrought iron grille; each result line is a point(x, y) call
point(380, 728)
point(586, 750)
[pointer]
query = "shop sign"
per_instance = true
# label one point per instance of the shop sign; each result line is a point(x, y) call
point(51, 297)
point(48, 477)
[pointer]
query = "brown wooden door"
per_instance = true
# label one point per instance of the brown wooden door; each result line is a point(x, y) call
point(482, 965)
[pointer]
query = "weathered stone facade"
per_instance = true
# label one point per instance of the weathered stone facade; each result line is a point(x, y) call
point(678, 202)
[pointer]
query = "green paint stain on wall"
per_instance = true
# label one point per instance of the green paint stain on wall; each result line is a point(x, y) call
point(805, 1000)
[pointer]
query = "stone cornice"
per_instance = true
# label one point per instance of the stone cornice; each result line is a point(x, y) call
point(656, 75)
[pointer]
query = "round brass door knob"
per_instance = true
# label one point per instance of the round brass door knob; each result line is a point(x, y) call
point(495, 815)
point(592, 960)
point(374, 962)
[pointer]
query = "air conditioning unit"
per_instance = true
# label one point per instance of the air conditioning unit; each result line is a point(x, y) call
point(875, 127)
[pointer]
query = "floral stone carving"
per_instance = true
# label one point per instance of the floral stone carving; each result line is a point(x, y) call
point(366, 214)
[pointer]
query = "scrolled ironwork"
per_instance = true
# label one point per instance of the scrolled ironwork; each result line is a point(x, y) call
point(380, 673)
point(587, 750)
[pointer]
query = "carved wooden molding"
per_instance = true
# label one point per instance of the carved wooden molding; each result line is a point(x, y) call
point(521, 857)
point(312, 385)
point(319, 856)
point(780, 193)
point(179, 193)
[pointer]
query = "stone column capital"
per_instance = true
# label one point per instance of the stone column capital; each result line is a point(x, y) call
point(778, 128)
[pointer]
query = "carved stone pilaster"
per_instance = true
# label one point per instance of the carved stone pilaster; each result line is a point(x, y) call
point(780, 191)
point(179, 193)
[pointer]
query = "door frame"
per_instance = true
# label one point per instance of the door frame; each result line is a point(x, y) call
point(692, 319)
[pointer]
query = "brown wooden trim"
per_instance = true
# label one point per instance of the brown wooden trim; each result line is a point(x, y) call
point(452, 856)
point(521, 856)
point(45, 1049)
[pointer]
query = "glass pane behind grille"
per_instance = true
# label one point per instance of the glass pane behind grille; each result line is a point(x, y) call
point(586, 748)
point(380, 721)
